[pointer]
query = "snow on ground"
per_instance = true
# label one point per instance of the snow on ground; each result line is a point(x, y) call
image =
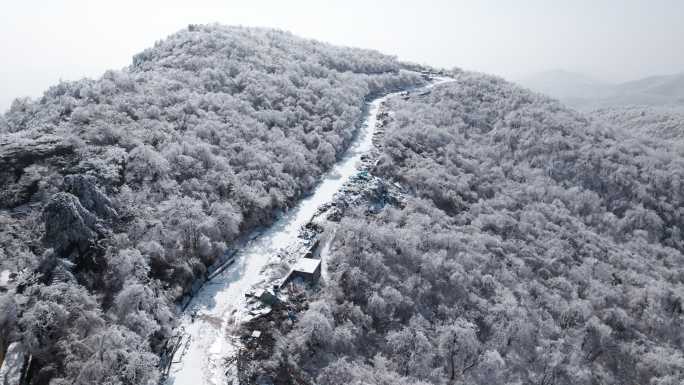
point(217, 305)
point(4, 278)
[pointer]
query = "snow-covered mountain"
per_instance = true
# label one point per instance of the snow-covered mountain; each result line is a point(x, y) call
point(119, 193)
point(532, 246)
point(494, 236)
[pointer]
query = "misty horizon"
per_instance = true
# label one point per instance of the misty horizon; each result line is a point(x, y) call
point(612, 42)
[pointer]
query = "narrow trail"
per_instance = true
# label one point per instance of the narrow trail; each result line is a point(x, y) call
point(208, 339)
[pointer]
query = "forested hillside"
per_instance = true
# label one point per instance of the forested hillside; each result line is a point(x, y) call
point(666, 124)
point(535, 247)
point(117, 193)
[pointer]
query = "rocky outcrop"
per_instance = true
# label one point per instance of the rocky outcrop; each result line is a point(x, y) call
point(69, 226)
point(17, 154)
point(90, 196)
point(76, 223)
point(13, 365)
point(20, 191)
point(20, 152)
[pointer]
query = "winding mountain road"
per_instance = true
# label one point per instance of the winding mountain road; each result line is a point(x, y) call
point(213, 315)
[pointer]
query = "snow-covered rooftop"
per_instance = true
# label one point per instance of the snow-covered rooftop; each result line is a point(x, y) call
point(4, 277)
point(307, 265)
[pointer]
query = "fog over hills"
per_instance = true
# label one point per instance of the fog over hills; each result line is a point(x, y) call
point(586, 93)
point(564, 84)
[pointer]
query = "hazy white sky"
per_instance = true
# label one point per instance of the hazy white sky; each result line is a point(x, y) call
point(43, 41)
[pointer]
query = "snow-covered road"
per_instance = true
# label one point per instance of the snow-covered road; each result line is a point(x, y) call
point(202, 360)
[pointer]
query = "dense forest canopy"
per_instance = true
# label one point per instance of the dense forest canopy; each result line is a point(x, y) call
point(536, 246)
point(663, 123)
point(119, 192)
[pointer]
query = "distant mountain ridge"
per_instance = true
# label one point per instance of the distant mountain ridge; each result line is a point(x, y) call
point(583, 92)
point(563, 84)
